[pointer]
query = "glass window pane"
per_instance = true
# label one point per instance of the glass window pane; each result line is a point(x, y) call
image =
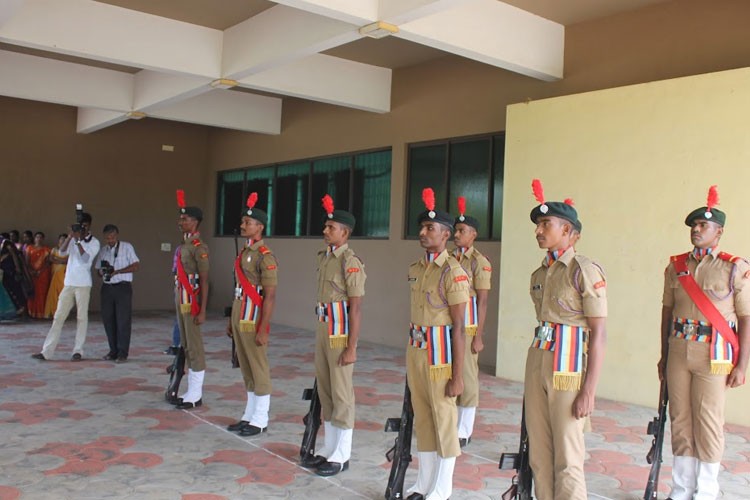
point(371, 199)
point(330, 176)
point(470, 177)
point(426, 169)
point(498, 171)
point(229, 201)
point(292, 183)
point(260, 180)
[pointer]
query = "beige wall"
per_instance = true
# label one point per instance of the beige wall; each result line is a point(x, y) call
point(120, 174)
point(636, 160)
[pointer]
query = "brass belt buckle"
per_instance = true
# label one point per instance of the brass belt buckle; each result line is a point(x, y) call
point(689, 328)
point(417, 335)
point(545, 333)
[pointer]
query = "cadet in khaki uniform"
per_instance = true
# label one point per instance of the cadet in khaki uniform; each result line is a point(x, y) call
point(341, 286)
point(565, 358)
point(191, 297)
point(435, 353)
point(479, 270)
point(696, 358)
point(255, 296)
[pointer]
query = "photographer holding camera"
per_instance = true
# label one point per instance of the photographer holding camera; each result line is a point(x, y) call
point(81, 247)
point(116, 263)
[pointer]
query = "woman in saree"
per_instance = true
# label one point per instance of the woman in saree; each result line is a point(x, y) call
point(59, 263)
point(37, 258)
point(14, 274)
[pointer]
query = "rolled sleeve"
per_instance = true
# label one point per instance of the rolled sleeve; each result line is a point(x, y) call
point(456, 286)
point(201, 258)
point(742, 289)
point(594, 286)
point(483, 274)
point(269, 270)
point(355, 277)
point(667, 298)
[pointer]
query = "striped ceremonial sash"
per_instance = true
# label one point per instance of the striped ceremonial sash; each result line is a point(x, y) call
point(722, 351)
point(437, 341)
point(568, 347)
point(472, 317)
point(336, 314)
point(249, 312)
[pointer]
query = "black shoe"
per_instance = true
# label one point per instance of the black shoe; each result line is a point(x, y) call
point(39, 356)
point(312, 461)
point(464, 441)
point(175, 401)
point(110, 357)
point(76, 357)
point(237, 426)
point(185, 405)
point(252, 430)
point(415, 496)
point(171, 350)
point(121, 359)
point(331, 468)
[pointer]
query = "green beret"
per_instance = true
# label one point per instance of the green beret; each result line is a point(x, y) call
point(468, 220)
point(257, 214)
point(342, 217)
point(194, 212)
point(578, 226)
point(556, 209)
point(443, 218)
point(715, 215)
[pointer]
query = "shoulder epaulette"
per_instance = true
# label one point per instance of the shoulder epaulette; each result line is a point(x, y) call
point(674, 258)
point(264, 250)
point(196, 242)
point(730, 258)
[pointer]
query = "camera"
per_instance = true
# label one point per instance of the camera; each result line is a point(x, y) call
point(107, 270)
point(78, 227)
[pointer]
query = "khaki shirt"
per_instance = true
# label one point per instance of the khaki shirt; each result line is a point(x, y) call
point(434, 287)
point(340, 275)
point(723, 282)
point(573, 288)
point(478, 268)
point(259, 267)
point(194, 255)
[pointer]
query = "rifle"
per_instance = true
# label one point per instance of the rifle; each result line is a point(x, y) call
point(654, 455)
point(311, 421)
point(520, 489)
point(228, 310)
point(400, 453)
point(176, 370)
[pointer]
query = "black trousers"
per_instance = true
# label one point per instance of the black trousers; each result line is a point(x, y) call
point(117, 313)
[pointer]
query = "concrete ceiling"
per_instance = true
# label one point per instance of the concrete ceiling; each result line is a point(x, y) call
point(174, 59)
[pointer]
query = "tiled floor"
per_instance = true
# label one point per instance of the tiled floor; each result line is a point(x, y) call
point(97, 430)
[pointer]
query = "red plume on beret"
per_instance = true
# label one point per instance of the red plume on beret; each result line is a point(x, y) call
point(569, 201)
point(181, 198)
point(461, 205)
point(538, 190)
point(252, 200)
point(428, 197)
point(713, 198)
point(328, 204)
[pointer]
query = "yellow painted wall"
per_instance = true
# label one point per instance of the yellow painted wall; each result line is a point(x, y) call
point(636, 160)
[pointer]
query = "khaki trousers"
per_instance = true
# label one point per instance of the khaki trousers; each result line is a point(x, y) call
point(556, 445)
point(470, 397)
point(435, 416)
point(70, 296)
point(696, 401)
point(253, 358)
point(335, 386)
point(191, 340)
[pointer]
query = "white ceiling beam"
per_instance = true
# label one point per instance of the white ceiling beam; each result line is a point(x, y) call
point(153, 89)
point(494, 33)
point(103, 32)
point(403, 11)
point(227, 109)
point(40, 79)
point(329, 79)
point(91, 120)
point(278, 36)
point(356, 12)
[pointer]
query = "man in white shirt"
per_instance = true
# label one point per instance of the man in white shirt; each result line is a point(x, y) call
point(81, 248)
point(116, 263)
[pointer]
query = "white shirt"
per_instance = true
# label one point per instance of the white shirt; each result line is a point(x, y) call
point(119, 256)
point(78, 272)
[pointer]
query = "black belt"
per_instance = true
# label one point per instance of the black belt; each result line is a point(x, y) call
point(118, 283)
point(693, 329)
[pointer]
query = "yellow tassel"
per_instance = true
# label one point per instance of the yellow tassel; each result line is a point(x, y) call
point(339, 341)
point(471, 330)
point(566, 382)
point(247, 326)
point(721, 367)
point(184, 308)
point(441, 372)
